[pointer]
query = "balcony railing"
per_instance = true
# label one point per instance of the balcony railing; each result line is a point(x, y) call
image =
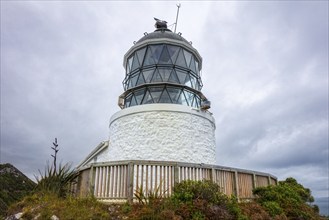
point(118, 181)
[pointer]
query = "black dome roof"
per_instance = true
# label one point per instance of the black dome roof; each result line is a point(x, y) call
point(162, 33)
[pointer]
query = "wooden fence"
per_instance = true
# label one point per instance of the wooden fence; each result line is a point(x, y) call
point(114, 181)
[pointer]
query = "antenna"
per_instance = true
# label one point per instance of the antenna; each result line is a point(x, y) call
point(178, 6)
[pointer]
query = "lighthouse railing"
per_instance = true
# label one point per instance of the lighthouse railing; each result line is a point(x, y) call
point(121, 180)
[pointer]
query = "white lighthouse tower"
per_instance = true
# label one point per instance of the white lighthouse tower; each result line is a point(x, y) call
point(164, 133)
point(164, 114)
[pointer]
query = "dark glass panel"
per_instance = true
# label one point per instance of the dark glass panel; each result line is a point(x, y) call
point(140, 79)
point(192, 65)
point(197, 101)
point(156, 52)
point(173, 77)
point(188, 57)
point(181, 76)
point(156, 93)
point(165, 57)
point(165, 97)
point(140, 55)
point(129, 63)
point(139, 94)
point(183, 98)
point(135, 63)
point(128, 100)
point(147, 98)
point(189, 97)
point(193, 104)
point(193, 82)
point(148, 58)
point(174, 94)
point(156, 76)
point(148, 75)
point(173, 52)
point(197, 65)
point(188, 81)
point(165, 74)
point(180, 59)
point(133, 101)
point(133, 81)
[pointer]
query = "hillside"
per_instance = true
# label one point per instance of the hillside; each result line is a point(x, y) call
point(14, 185)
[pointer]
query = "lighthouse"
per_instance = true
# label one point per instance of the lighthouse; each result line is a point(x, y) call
point(164, 132)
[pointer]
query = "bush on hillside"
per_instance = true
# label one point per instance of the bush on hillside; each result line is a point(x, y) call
point(288, 198)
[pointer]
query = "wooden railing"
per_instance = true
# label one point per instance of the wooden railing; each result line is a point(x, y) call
point(113, 181)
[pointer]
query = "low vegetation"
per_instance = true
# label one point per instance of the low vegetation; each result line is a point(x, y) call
point(196, 200)
point(289, 199)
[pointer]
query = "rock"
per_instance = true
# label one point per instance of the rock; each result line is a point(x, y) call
point(15, 217)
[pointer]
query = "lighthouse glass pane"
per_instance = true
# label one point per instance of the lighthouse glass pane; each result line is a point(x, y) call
point(188, 57)
point(139, 94)
point(173, 52)
point(189, 97)
point(133, 81)
point(165, 73)
point(130, 62)
point(148, 75)
point(156, 52)
point(183, 99)
point(197, 102)
point(156, 93)
point(165, 97)
point(140, 54)
point(149, 60)
point(188, 81)
point(173, 78)
point(127, 101)
point(156, 76)
point(140, 79)
point(181, 76)
point(133, 101)
point(165, 57)
point(193, 66)
point(135, 63)
point(174, 94)
point(147, 98)
point(181, 60)
point(193, 82)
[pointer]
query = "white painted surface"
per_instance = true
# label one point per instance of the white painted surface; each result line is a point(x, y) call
point(163, 132)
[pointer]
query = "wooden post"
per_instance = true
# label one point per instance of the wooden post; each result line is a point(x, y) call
point(130, 184)
point(213, 175)
point(254, 181)
point(236, 185)
point(176, 174)
point(269, 180)
point(92, 180)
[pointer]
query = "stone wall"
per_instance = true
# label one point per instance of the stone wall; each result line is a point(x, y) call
point(163, 132)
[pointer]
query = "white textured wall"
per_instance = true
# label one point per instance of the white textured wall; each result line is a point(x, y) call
point(164, 132)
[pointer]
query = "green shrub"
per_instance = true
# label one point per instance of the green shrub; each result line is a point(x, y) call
point(204, 200)
point(56, 181)
point(288, 198)
point(187, 191)
point(273, 208)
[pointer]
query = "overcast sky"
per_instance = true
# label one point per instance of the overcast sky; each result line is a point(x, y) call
point(265, 70)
